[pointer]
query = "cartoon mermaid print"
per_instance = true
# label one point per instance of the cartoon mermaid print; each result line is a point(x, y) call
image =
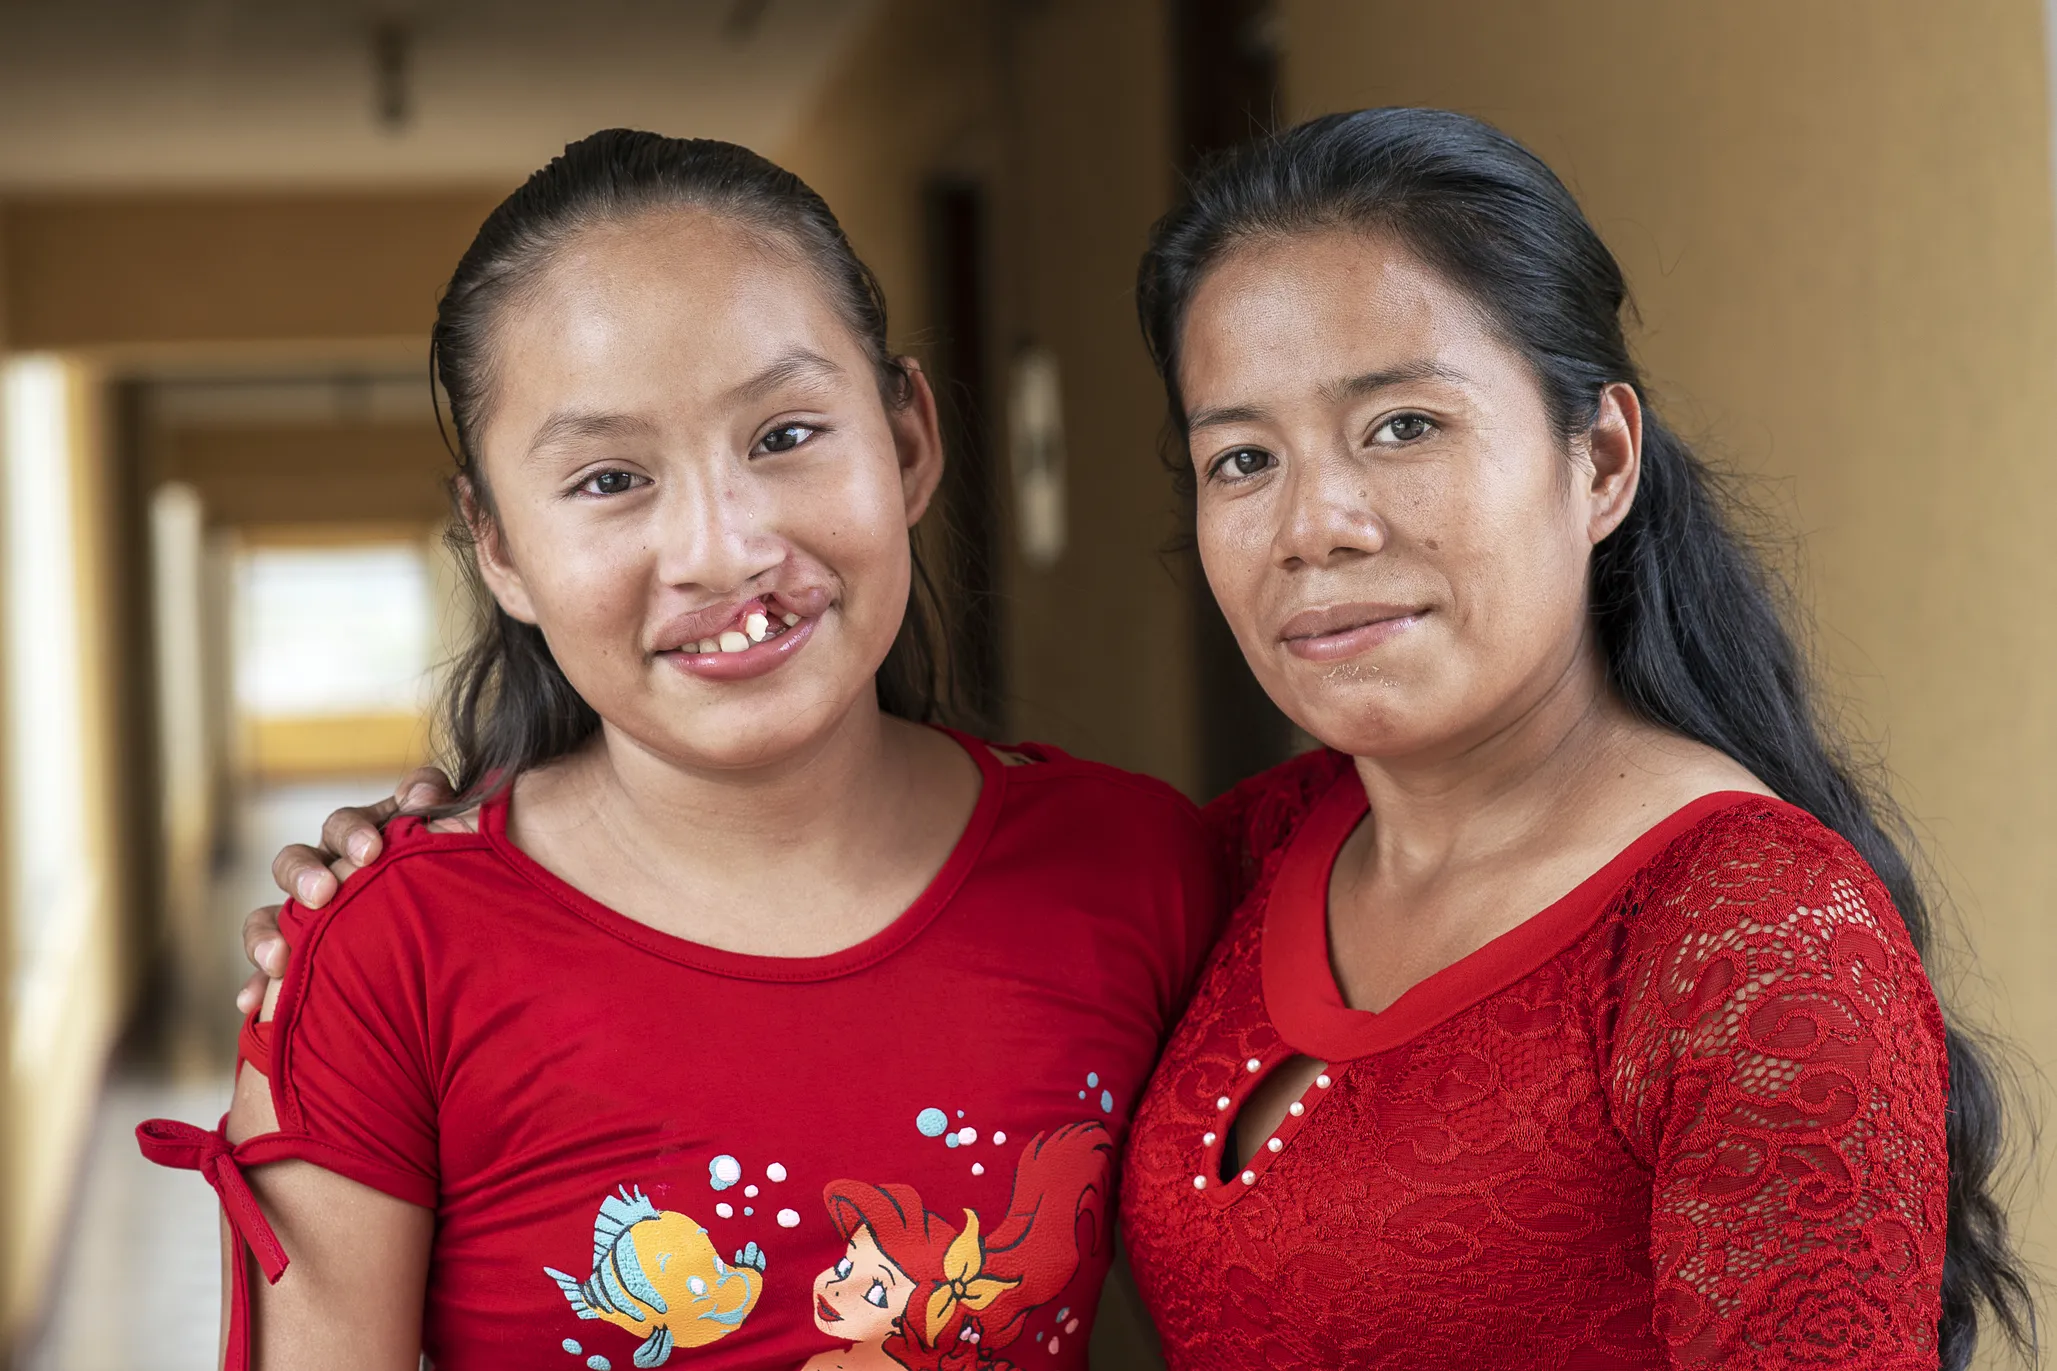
point(913, 1293)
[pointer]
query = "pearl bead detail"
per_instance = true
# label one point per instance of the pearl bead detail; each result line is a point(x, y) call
point(1253, 1064)
point(1296, 1109)
point(1222, 1103)
point(1274, 1144)
point(1199, 1182)
point(1322, 1080)
point(1206, 1140)
point(1249, 1178)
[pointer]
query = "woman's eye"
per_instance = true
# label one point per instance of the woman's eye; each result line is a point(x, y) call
point(609, 483)
point(877, 1294)
point(1243, 462)
point(843, 1269)
point(785, 437)
point(1403, 428)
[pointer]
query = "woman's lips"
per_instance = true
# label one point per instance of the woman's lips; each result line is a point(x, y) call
point(753, 661)
point(825, 1311)
point(1339, 631)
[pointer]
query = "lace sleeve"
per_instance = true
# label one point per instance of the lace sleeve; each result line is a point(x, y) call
point(1778, 1063)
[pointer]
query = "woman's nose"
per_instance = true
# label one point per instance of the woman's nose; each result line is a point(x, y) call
point(1329, 513)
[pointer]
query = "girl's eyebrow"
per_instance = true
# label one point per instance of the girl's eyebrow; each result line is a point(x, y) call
point(570, 426)
point(790, 366)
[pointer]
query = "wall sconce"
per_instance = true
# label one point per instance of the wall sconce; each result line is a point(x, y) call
point(1035, 447)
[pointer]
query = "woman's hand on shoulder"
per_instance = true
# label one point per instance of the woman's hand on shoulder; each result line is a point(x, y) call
point(350, 840)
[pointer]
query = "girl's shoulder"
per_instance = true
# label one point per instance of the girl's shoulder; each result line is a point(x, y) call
point(427, 868)
point(1050, 779)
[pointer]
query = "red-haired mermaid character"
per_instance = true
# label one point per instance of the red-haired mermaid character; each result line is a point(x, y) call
point(913, 1292)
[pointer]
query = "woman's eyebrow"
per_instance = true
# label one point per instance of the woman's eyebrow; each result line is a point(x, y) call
point(791, 366)
point(1347, 388)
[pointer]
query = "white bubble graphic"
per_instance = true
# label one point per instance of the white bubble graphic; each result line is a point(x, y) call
point(724, 1171)
point(789, 1218)
point(749, 1192)
point(725, 1210)
point(775, 1172)
point(967, 1136)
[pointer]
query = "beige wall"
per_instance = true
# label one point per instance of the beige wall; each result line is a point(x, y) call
point(1064, 109)
point(1837, 221)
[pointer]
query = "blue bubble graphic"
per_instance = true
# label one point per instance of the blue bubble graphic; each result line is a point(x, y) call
point(930, 1123)
point(1107, 1102)
point(1092, 1079)
point(1082, 1094)
point(1039, 1335)
point(1064, 1313)
point(748, 1211)
point(960, 1113)
point(599, 1363)
point(950, 1141)
point(571, 1345)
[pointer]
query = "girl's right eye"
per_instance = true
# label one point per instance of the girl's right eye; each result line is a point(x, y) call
point(1239, 464)
point(843, 1269)
point(609, 483)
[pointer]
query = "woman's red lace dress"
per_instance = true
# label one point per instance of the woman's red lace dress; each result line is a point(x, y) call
point(1690, 1115)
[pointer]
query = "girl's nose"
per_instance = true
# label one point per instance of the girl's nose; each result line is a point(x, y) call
point(715, 534)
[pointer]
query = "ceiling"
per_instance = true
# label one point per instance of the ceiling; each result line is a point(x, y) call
point(225, 93)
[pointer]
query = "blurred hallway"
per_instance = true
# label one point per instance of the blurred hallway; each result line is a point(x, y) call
point(141, 1229)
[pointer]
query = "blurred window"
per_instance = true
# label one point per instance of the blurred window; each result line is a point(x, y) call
point(46, 723)
point(333, 630)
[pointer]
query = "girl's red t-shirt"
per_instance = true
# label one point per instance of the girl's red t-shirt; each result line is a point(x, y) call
point(643, 1151)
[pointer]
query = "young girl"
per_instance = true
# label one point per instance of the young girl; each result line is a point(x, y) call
point(547, 1084)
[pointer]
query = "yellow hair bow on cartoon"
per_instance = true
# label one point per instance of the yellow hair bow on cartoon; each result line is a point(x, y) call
point(963, 1261)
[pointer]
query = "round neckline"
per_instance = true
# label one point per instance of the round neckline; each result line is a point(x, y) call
point(1299, 984)
point(904, 928)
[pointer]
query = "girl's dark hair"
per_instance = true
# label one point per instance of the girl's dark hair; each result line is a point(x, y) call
point(1688, 616)
point(509, 706)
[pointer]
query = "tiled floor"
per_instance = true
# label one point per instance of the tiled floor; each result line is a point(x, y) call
point(140, 1278)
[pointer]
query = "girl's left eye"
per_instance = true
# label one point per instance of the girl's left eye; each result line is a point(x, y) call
point(843, 1269)
point(786, 437)
point(1403, 428)
point(877, 1294)
point(609, 483)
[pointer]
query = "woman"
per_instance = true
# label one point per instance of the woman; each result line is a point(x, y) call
point(711, 923)
point(1573, 1013)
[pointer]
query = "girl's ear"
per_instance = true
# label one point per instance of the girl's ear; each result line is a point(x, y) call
point(500, 575)
point(918, 438)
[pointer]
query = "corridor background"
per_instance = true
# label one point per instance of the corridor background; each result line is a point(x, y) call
point(223, 224)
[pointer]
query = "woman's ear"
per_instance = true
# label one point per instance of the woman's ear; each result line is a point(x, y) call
point(1615, 445)
point(500, 575)
point(918, 439)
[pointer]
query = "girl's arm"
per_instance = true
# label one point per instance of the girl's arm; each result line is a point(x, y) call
point(351, 1299)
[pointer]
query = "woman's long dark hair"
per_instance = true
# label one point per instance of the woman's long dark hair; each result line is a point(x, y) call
point(1688, 617)
point(508, 706)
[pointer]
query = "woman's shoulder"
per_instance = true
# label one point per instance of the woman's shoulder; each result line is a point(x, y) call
point(1757, 881)
point(427, 867)
point(1255, 819)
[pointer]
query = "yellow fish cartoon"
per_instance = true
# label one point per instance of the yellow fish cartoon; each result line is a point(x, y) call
point(656, 1272)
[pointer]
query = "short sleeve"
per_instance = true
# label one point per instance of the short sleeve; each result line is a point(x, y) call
point(349, 1060)
point(1778, 1063)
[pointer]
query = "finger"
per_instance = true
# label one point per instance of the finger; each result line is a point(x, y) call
point(354, 832)
point(262, 943)
point(252, 993)
point(302, 872)
point(423, 787)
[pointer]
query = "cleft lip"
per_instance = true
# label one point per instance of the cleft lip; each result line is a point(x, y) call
point(683, 632)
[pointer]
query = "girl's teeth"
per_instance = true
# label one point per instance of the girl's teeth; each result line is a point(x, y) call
point(708, 645)
point(757, 627)
point(790, 619)
point(733, 641)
